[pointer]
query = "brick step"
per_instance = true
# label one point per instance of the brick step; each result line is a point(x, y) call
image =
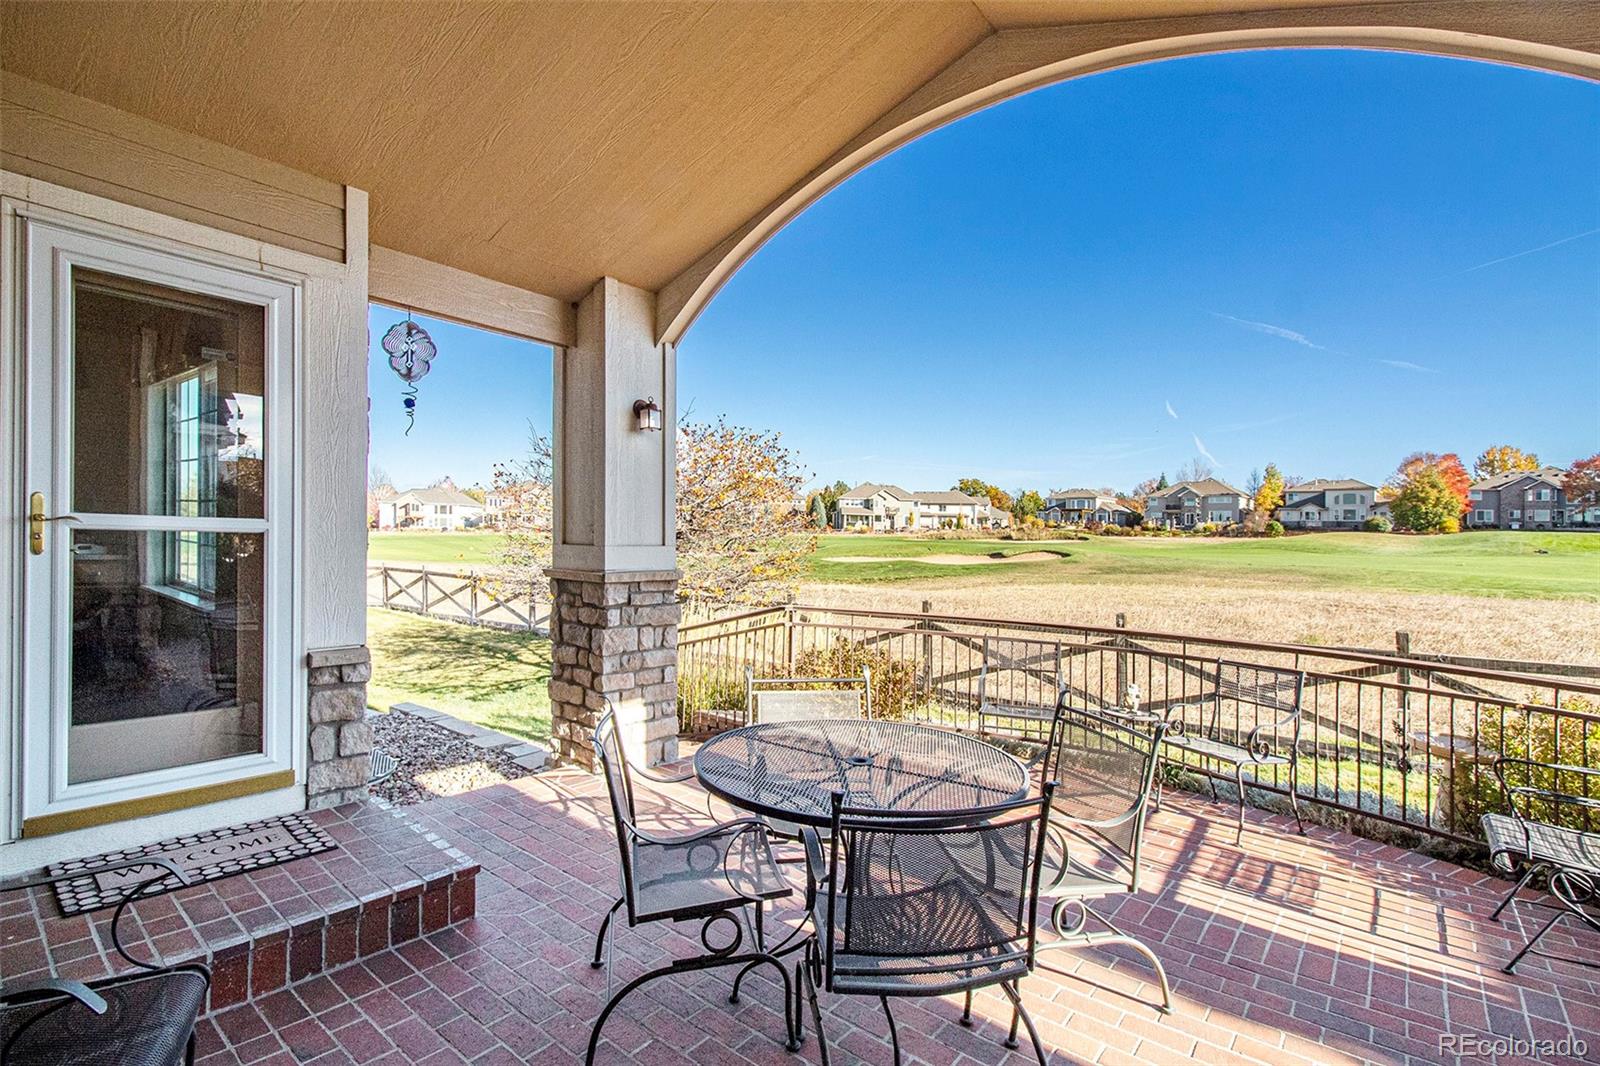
point(389, 881)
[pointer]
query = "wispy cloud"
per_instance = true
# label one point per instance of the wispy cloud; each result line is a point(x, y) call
point(1173, 414)
point(1205, 453)
point(1272, 331)
point(1406, 364)
point(1527, 251)
point(1296, 337)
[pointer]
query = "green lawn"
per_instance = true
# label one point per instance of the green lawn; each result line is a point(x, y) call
point(1495, 563)
point(466, 549)
point(494, 677)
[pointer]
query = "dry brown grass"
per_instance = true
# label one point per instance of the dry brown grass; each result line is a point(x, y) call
point(1552, 630)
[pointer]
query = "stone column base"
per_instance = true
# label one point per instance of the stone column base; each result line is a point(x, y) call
point(341, 738)
point(614, 638)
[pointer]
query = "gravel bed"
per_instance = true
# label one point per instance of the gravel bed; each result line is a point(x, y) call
point(434, 762)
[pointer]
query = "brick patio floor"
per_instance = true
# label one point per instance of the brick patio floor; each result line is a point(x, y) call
point(1285, 950)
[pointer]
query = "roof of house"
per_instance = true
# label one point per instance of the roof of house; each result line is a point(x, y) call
point(872, 488)
point(1326, 485)
point(1316, 499)
point(440, 494)
point(1079, 492)
point(1553, 474)
point(1207, 487)
point(946, 497)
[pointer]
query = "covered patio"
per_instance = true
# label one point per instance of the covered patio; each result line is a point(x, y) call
point(1285, 950)
point(198, 201)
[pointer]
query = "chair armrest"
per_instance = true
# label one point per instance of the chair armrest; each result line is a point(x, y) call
point(1515, 792)
point(738, 825)
point(649, 774)
point(816, 864)
point(45, 987)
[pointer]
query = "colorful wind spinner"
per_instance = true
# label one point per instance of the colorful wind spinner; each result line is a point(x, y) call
point(411, 353)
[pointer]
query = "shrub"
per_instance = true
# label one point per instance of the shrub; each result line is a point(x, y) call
point(1208, 529)
point(1273, 528)
point(895, 690)
point(1378, 524)
point(1530, 733)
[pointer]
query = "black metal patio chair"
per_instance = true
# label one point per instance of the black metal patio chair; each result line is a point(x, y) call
point(1242, 739)
point(925, 905)
point(1522, 845)
point(710, 876)
point(1019, 685)
point(145, 1017)
point(1104, 765)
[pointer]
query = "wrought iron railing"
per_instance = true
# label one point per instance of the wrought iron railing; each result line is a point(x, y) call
point(1397, 736)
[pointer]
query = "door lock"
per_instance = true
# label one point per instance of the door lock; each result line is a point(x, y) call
point(36, 522)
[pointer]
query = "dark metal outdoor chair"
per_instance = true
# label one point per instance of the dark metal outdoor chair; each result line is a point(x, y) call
point(1522, 844)
point(709, 876)
point(925, 905)
point(1019, 685)
point(1103, 765)
point(142, 1018)
point(1243, 740)
point(796, 699)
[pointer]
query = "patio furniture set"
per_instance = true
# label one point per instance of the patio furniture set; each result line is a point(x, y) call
point(928, 857)
point(928, 852)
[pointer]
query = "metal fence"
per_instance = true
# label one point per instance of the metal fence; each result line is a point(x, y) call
point(1399, 736)
point(454, 595)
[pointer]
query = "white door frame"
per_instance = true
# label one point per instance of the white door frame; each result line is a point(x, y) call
point(41, 246)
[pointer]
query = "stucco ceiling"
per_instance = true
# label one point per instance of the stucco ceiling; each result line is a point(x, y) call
point(540, 144)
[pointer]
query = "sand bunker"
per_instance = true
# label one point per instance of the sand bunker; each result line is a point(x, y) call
point(952, 560)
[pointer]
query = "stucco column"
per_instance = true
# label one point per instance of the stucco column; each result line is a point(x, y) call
point(614, 576)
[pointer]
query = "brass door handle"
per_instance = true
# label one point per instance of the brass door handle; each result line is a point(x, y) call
point(37, 519)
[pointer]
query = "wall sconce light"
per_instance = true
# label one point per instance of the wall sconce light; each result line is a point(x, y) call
point(646, 415)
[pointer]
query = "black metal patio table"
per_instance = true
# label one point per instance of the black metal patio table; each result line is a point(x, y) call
point(790, 770)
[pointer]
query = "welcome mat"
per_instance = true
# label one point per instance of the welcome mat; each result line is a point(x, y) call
point(208, 856)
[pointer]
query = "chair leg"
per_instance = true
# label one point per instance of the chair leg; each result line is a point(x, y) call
point(1238, 780)
point(1511, 967)
point(1113, 936)
point(1011, 1037)
point(894, 1034)
point(1294, 795)
point(600, 937)
point(816, 1008)
point(689, 966)
point(966, 1012)
point(1033, 1034)
point(1529, 875)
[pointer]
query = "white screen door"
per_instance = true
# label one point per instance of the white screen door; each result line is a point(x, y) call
point(157, 629)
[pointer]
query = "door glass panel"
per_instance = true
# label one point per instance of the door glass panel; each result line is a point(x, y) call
point(168, 401)
point(166, 650)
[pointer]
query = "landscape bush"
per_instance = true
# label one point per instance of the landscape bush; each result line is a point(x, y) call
point(1528, 733)
point(1273, 528)
point(895, 691)
point(1378, 524)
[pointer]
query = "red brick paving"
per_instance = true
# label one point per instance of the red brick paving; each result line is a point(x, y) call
point(1284, 951)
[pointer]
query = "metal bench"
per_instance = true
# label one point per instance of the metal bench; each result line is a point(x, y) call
point(1246, 741)
point(1525, 847)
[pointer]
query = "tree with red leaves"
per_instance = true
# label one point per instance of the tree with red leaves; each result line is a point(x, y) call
point(1582, 483)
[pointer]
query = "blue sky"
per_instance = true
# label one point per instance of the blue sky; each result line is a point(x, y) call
point(1325, 259)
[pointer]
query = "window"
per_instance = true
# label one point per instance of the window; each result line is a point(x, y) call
point(1542, 514)
point(1542, 495)
point(1515, 514)
point(1349, 515)
point(184, 410)
point(1483, 516)
point(1475, 494)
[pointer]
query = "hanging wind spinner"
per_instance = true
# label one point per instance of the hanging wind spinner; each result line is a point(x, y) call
point(411, 353)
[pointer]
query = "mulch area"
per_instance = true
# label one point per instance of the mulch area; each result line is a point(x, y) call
point(435, 762)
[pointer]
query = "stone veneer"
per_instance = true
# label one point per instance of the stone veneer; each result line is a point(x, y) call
point(341, 738)
point(615, 637)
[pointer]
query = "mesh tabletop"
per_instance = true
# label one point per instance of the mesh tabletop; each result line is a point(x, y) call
point(790, 770)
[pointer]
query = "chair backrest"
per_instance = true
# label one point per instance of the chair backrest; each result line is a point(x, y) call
point(792, 699)
point(922, 894)
point(1249, 702)
point(1019, 672)
point(1104, 767)
point(619, 787)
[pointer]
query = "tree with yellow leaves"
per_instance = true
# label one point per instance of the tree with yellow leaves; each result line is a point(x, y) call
point(1503, 459)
